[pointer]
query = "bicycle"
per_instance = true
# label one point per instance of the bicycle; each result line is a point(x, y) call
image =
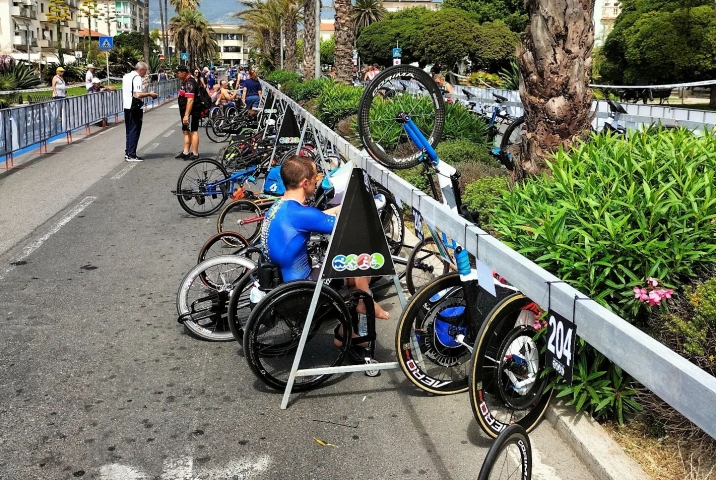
point(509, 456)
point(451, 324)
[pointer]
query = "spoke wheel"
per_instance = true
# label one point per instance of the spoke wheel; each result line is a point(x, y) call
point(204, 293)
point(224, 243)
point(424, 265)
point(399, 90)
point(203, 187)
point(509, 456)
point(507, 384)
point(243, 217)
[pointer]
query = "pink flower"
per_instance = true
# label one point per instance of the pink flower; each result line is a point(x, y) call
point(654, 298)
point(641, 294)
point(538, 325)
point(652, 281)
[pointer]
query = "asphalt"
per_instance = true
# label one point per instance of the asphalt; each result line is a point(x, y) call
point(98, 380)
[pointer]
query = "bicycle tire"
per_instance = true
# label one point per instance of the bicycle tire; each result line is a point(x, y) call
point(424, 265)
point(384, 138)
point(223, 243)
point(271, 359)
point(231, 112)
point(494, 399)
point(204, 293)
point(215, 130)
point(192, 187)
point(391, 218)
point(432, 359)
point(509, 145)
point(511, 450)
point(236, 212)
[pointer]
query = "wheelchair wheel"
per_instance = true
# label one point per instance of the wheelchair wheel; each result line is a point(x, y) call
point(507, 380)
point(240, 305)
point(274, 329)
point(203, 296)
point(242, 216)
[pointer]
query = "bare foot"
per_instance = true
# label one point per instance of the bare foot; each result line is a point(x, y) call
point(379, 312)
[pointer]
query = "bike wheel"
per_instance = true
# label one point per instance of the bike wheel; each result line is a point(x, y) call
point(215, 113)
point(224, 243)
point(242, 216)
point(424, 265)
point(511, 143)
point(203, 187)
point(507, 384)
point(391, 217)
point(274, 329)
point(509, 456)
point(231, 112)
point(413, 93)
point(216, 131)
point(240, 305)
point(204, 293)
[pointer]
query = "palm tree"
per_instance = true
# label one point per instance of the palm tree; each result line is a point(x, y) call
point(193, 35)
point(180, 5)
point(289, 10)
point(555, 60)
point(366, 12)
point(262, 20)
point(309, 42)
point(345, 38)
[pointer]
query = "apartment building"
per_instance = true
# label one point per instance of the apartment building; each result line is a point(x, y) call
point(25, 30)
point(396, 5)
point(605, 14)
point(232, 43)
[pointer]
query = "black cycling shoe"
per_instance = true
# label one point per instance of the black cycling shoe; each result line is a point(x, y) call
point(182, 156)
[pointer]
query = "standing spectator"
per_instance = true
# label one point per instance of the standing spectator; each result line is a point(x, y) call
point(203, 76)
point(189, 115)
point(252, 91)
point(197, 74)
point(59, 87)
point(372, 72)
point(162, 75)
point(211, 79)
point(132, 95)
point(89, 76)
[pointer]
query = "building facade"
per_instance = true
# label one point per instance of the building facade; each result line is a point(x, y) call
point(396, 5)
point(116, 17)
point(605, 14)
point(232, 42)
point(25, 30)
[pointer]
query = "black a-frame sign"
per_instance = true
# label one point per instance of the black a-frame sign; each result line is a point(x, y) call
point(289, 133)
point(358, 247)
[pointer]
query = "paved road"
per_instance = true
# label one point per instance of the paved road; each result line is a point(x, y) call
point(97, 379)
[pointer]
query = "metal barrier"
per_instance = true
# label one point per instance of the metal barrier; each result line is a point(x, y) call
point(677, 381)
point(28, 125)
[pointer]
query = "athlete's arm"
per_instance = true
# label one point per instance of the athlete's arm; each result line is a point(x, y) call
point(311, 219)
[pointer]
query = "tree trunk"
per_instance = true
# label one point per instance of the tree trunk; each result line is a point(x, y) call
point(161, 22)
point(309, 38)
point(290, 32)
point(166, 22)
point(555, 59)
point(60, 56)
point(276, 48)
point(345, 38)
point(146, 32)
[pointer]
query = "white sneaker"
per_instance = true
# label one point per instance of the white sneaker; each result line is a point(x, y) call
point(132, 159)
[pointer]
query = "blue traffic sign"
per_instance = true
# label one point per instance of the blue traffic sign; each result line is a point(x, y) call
point(184, 56)
point(106, 43)
point(397, 52)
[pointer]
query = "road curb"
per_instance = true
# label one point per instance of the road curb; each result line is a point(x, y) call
point(593, 445)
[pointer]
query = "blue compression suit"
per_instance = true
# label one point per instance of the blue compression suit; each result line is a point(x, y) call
point(285, 233)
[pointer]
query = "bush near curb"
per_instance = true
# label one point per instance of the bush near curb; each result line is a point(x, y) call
point(282, 77)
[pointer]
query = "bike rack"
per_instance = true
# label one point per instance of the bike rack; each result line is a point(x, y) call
point(357, 178)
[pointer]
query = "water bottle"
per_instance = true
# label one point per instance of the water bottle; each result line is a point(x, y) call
point(362, 325)
point(256, 295)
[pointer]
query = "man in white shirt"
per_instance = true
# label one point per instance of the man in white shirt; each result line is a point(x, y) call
point(89, 76)
point(132, 90)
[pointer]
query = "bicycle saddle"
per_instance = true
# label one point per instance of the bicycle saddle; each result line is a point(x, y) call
point(468, 94)
point(499, 98)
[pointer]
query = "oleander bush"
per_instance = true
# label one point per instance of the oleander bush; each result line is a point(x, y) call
point(337, 102)
point(465, 151)
point(609, 214)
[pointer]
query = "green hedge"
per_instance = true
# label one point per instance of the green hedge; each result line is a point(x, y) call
point(465, 151)
point(282, 77)
point(337, 102)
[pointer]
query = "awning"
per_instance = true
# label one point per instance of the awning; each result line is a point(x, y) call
point(43, 58)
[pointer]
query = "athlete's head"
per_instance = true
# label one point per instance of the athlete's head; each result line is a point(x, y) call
point(299, 172)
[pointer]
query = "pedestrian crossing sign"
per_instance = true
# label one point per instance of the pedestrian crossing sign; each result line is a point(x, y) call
point(106, 43)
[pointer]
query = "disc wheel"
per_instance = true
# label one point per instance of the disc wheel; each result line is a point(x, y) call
point(203, 187)
point(224, 243)
point(204, 293)
point(274, 329)
point(242, 216)
point(424, 265)
point(399, 90)
point(507, 383)
point(509, 456)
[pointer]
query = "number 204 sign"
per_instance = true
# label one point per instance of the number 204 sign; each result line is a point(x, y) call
point(561, 344)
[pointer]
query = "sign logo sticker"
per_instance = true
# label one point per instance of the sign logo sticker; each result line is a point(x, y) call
point(339, 263)
point(352, 262)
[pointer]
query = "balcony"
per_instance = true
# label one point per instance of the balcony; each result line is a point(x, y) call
point(48, 43)
point(72, 24)
point(23, 12)
point(610, 13)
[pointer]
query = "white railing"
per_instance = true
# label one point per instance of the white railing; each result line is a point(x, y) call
point(678, 382)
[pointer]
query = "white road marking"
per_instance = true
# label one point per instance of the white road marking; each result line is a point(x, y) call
point(182, 468)
point(168, 133)
point(122, 172)
point(174, 106)
point(151, 147)
point(115, 471)
point(27, 251)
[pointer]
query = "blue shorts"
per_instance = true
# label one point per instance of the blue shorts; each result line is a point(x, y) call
point(252, 101)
